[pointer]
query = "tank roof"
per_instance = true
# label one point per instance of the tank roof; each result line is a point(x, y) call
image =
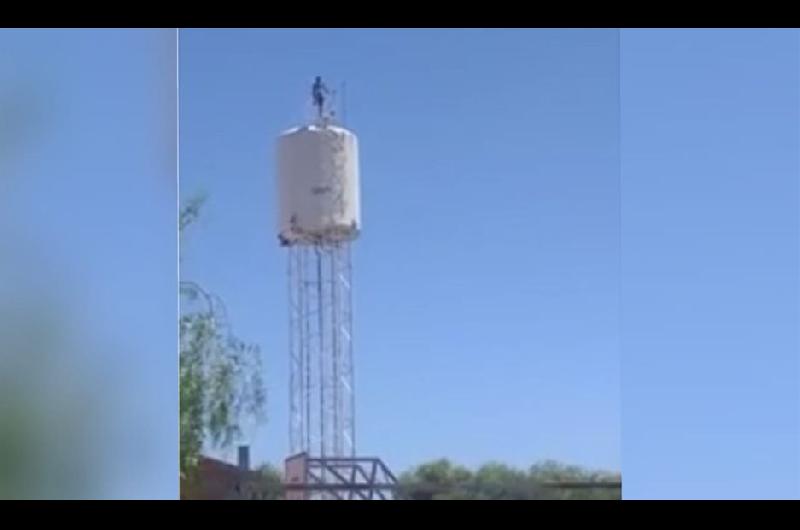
point(316, 127)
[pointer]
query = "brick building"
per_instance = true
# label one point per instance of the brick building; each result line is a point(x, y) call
point(219, 480)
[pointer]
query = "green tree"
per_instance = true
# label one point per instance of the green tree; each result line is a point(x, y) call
point(220, 375)
point(441, 480)
point(437, 480)
point(499, 481)
point(549, 473)
point(270, 483)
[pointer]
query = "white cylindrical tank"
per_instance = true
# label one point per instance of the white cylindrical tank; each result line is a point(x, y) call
point(318, 185)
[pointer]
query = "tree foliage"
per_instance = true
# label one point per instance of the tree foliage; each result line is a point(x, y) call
point(270, 483)
point(220, 375)
point(443, 480)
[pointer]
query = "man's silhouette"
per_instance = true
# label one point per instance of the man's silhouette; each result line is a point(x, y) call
point(318, 92)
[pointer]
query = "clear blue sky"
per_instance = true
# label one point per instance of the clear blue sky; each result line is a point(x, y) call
point(87, 219)
point(486, 280)
point(710, 217)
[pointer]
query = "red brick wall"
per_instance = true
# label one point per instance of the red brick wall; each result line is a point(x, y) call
point(217, 480)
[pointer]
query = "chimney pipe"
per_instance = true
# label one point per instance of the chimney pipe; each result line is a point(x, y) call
point(244, 457)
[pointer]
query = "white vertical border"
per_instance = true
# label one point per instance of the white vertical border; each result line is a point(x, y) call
point(178, 236)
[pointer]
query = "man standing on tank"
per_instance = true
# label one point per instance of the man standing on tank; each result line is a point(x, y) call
point(318, 92)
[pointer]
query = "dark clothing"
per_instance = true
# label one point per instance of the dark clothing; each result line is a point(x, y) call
point(318, 91)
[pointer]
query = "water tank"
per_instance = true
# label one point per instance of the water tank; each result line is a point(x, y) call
point(318, 186)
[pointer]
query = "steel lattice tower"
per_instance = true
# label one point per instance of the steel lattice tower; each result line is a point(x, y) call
point(321, 385)
point(319, 218)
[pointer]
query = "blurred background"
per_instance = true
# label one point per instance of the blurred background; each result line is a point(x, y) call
point(88, 264)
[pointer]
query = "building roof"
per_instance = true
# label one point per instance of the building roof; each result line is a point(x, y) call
point(218, 480)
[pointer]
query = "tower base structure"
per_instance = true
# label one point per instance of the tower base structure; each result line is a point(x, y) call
point(338, 478)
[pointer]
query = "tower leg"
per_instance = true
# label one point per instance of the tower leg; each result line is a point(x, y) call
point(321, 380)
